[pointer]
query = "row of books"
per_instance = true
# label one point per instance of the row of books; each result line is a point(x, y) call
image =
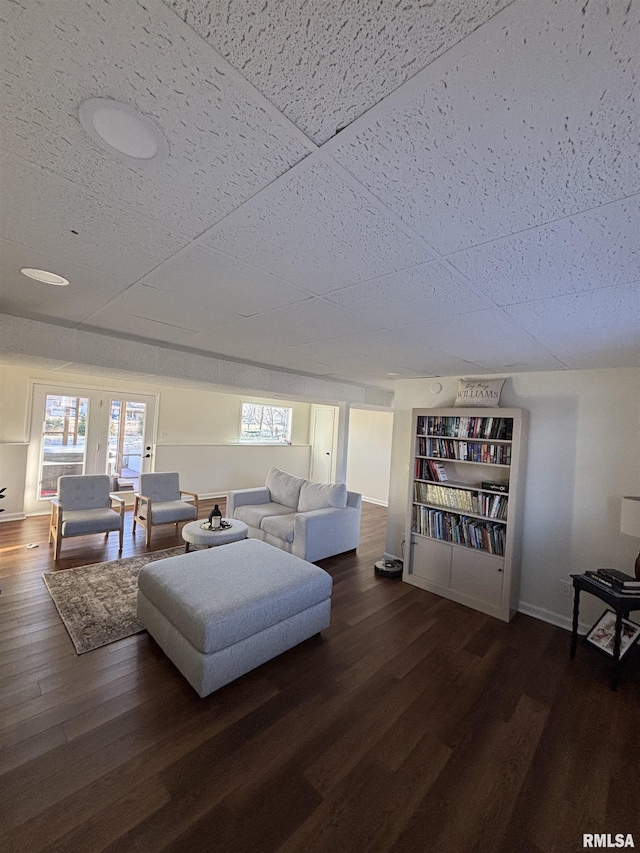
point(466, 500)
point(616, 580)
point(429, 469)
point(474, 427)
point(459, 529)
point(465, 451)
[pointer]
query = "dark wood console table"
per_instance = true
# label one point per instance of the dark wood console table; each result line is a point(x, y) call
point(621, 603)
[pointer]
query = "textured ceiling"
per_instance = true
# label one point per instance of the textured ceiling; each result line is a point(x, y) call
point(476, 213)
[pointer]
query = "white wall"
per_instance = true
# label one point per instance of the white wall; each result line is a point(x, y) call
point(187, 418)
point(13, 461)
point(369, 454)
point(582, 457)
point(213, 470)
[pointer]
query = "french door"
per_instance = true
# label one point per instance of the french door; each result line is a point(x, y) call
point(88, 431)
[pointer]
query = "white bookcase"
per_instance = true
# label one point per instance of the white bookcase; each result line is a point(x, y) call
point(463, 538)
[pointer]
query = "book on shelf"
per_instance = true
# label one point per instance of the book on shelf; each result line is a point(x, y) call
point(438, 471)
point(459, 529)
point(464, 500)
point(500, 429)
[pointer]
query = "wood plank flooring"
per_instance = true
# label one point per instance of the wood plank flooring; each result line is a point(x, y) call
point(413, 724)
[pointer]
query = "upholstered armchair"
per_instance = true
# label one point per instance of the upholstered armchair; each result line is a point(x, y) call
point(159, 501)
point(84, 505)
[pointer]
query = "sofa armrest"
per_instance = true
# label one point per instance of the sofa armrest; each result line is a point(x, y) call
point(324, 532)
point(246, 497)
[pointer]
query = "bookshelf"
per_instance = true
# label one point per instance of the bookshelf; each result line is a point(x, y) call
point(465, 505)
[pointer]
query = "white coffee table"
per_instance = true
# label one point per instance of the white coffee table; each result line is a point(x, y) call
point(194, 534)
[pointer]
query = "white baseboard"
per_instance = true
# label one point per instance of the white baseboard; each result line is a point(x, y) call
point(210, 496)
point(556, 619)
point(12, 516)
point(375, 501)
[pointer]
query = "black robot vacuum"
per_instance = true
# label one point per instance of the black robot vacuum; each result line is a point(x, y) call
point(388, 568)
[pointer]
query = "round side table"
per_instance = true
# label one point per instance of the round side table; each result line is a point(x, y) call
point(194, 534)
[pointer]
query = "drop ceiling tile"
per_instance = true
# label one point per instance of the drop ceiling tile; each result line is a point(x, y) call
point(110, 352)
point(24, 336)
point(294, 324)
point(584, 252)
point(600, 328)
point(533, 117)
point(289, 358)
point(41, 210)
point(375, 381)
point(419, 293)
point(94, 370)
point(87, 290)
point(186, 365)
point(317, 230)
point(200, 275)
point(32, 361)
point(324, 64)
point(226, 141)
point(147, 303)
point(489, 339)
point(113, 320)
point(386, 351)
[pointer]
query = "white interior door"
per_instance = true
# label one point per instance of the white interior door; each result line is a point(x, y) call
point(323, 445)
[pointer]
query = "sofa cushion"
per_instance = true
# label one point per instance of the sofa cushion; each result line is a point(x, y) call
point(284, 488)
point(77, 522)
point(164, 512)
point(321, 496)
point(253, 514)
point(280, 526)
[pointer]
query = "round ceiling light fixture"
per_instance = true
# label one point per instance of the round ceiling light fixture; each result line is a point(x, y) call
point(123, 131)
point(44, 276)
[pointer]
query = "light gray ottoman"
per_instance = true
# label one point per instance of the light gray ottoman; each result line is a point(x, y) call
point(220, 613)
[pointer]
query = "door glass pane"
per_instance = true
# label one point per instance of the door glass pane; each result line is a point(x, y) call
point(64, 449)
point(126, 444)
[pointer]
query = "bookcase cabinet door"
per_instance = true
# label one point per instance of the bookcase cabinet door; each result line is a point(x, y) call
point(477, 576)
point(432, 561)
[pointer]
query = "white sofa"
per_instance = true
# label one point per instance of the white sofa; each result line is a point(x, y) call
point(307, 519)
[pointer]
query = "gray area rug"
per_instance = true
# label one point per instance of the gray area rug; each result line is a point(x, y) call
point(98, 603)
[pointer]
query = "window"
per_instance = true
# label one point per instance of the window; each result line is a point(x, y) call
point(64, 449)
point(265, 424)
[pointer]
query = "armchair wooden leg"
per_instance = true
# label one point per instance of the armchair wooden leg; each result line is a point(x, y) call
point(57, 544)
point(121, 535)
point(148, 540)
point(52, 524)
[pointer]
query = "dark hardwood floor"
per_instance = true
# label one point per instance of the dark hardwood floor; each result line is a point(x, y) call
point(413, 724)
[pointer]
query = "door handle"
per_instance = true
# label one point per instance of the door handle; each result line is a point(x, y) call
point(147, 456)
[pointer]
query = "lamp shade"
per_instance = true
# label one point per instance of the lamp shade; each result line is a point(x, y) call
point(630, 516)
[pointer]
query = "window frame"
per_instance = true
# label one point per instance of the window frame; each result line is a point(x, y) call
point(273, 442)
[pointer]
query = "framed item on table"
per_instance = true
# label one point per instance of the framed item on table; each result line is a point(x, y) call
point(603, 633)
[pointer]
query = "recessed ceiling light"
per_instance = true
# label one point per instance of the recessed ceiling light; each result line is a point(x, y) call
point(45, 277)
point(123, 131)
